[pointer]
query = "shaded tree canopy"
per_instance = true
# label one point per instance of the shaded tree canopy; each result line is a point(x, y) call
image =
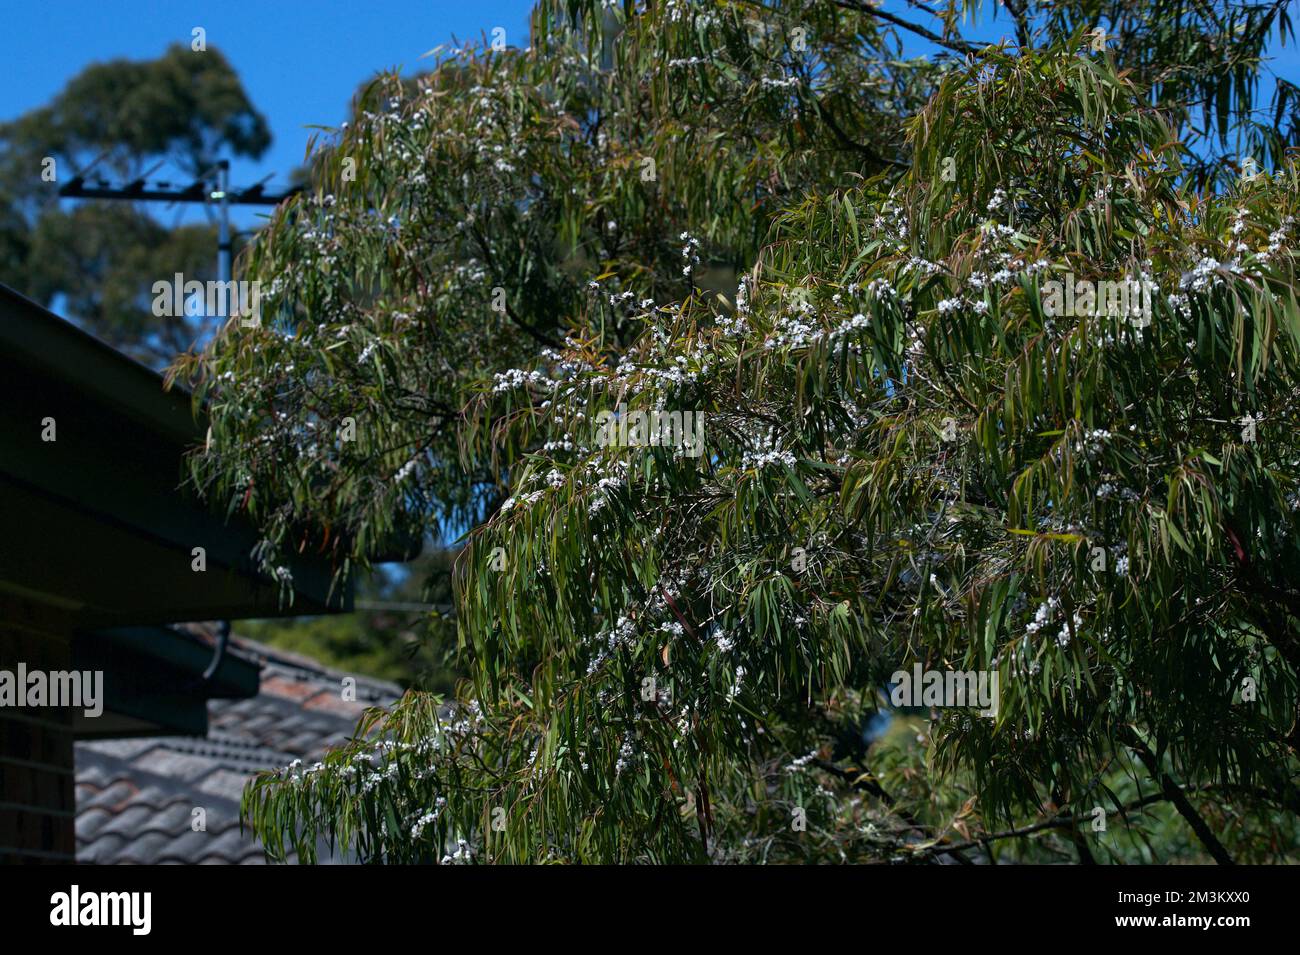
point(402, 628)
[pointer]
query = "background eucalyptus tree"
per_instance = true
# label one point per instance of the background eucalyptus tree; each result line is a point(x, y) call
point(121, 120)
point(908, 459)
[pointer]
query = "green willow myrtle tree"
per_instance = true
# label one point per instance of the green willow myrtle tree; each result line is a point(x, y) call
point(457, 221)
point(892, 398)
point(910, 455)
point(459, 218)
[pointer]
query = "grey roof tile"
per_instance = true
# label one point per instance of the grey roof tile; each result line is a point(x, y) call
point(173, 764)
point(121, 748)
point(135, 797)
point(224, 783)
point(116, 793)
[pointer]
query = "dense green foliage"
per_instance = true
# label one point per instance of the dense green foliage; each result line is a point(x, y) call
point(908, 457)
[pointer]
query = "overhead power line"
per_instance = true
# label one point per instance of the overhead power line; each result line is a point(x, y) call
point(139, 190)
point(200, 190)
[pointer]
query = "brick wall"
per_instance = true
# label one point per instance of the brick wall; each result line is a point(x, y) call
point(37, 802)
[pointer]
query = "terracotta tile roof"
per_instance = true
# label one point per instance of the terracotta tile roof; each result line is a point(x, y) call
point(136, 797)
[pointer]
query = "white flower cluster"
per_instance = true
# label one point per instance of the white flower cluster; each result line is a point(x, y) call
point(517, 378)
point(762, 459)
point(690, 253)
point(494, 120)
point(849, 327)
point(791, 331)
point(891, 223)
point(797, 329)
point(463, 855)
point(1204, 275)
point(924, 266)
point(1043, 616)
point(627, 301)
point(800, 763)
point(678, 373)
point(625, 754)
point(1091, 442)
point(522, 500)
point(622, 634)
point(1276, 238)
point(736, 325)
point(297, 774)
point(605, 485)
point(417, 829)
point(881, 289)
point(915, 339)
point(1063, 637)
point(384, 759)
point(737, 683)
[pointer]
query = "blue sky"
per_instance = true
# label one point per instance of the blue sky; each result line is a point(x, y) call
point(299, 61)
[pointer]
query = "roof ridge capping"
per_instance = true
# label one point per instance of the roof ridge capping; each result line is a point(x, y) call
point(304, 667)
point(297, 665)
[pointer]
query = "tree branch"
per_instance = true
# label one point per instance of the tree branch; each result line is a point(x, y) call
point(957, 46)
point(1174, 793)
